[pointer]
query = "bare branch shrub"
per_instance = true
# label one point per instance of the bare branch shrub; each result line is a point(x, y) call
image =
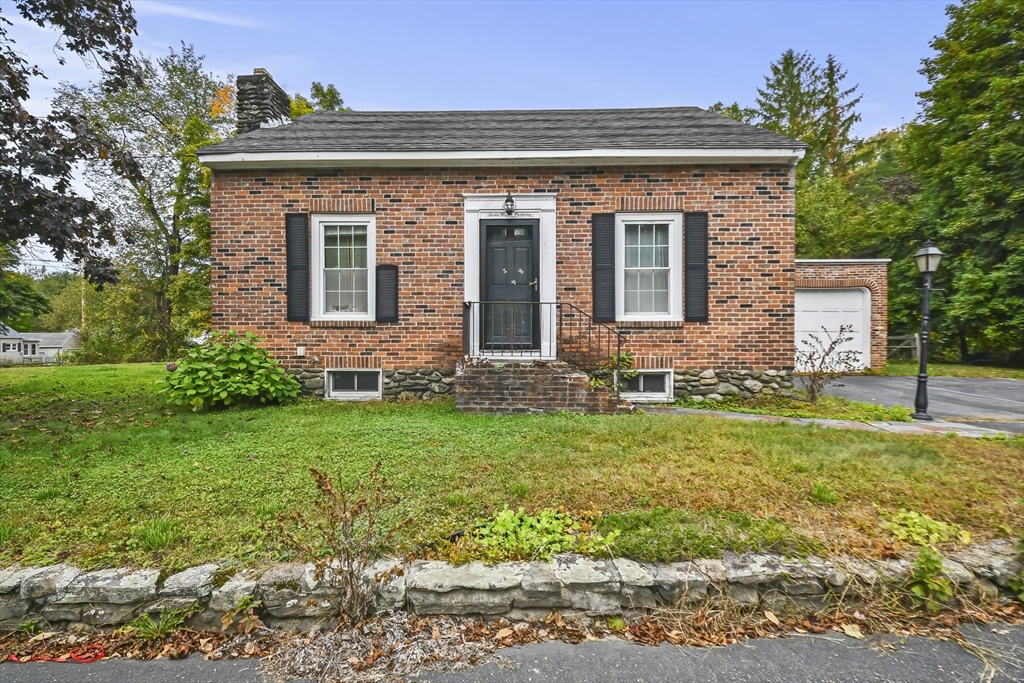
point(343, 537)
point(824, 362)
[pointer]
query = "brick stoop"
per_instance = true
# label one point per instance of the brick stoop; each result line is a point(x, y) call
point(535, 387)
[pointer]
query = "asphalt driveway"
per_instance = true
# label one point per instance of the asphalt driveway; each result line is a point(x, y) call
point(995, 403)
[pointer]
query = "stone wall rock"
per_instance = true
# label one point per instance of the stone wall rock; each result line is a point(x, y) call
point(293, 596)
point(714, 385)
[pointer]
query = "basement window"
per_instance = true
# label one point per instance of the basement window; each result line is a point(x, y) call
point(648, 387)
point(353, 385)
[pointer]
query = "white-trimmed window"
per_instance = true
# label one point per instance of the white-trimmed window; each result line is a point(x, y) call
point(649, 269)
point(353, 385)
point(656, 386)
point(343, 266)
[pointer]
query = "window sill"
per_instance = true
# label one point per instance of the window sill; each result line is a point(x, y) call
point(649, 324)
point(342, 323)
point(353, 396)
point(646, 398)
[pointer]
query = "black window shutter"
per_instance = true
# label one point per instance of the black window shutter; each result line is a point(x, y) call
point(603, 268)
point(297, 245)
point(696, 258)
point(387, 294)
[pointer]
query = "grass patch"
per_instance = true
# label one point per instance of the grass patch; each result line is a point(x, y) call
point(668, 535)
point(120, 459)
point(823, 493)
point(899, 369)
point(830, 407)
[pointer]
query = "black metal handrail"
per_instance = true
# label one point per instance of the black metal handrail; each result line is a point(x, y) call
point(516, 329)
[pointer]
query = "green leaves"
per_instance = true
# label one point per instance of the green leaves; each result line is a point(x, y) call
point(515, 535)
point(920, 529)
point(927, 584)
point(229, 369)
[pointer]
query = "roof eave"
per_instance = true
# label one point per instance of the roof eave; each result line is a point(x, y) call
point(625, 157)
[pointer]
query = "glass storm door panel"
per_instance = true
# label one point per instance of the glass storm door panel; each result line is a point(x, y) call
point(510, 291)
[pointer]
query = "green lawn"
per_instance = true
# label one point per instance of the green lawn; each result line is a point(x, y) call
point(829, 407)
point(94, 467)
point(901, 368)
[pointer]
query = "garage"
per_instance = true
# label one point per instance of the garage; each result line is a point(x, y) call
point(830, 308)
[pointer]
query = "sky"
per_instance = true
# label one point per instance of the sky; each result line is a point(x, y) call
point(404, 55)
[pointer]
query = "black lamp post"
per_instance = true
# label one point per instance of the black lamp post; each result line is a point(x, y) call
point(927, 258)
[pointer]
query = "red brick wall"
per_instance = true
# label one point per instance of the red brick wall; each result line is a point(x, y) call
point(420, 228)
point(874, 276)
point(531, 388)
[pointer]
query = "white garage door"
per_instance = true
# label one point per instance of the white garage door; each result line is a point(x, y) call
point(830, 308)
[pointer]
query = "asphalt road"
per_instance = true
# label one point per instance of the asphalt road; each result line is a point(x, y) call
point(965, 399)
point(821, 659)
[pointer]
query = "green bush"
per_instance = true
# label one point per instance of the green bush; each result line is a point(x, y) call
point(228, 369)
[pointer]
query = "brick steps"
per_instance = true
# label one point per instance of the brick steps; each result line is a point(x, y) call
point(535, 387)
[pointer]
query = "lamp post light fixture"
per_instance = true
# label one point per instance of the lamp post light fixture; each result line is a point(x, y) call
point(509, 205)
point(927, 259)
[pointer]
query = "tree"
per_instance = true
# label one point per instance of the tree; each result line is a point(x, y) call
point(20, 301)
point(790, 102)
point(38, 154)
point(837, 115)
point(162, 211)
point(735, 111)
point(320, 99)
point(968, 153)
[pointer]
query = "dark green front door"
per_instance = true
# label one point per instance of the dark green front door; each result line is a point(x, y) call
point(511, 312)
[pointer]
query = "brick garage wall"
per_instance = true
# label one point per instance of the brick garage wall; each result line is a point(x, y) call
point(420, 229)
point(870, 273)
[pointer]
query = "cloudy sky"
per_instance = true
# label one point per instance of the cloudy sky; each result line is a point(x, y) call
point(512, 55)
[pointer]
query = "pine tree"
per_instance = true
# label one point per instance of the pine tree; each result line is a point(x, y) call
point(790, 101)
point(833, 141)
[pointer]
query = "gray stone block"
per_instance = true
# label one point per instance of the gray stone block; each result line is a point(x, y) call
point(227, 597)
point(48, 581)
point(13, 606)
point(680, 581)
point(633, 573)
point(441, 577)
point(195, 582)
point(541, 588)
point(109, 615)
point(638, 597)
point(117, 586)
point(11, 578)
point(743, 593)
point(58, 612)
point(462, 601)
point(168, 605)
point(593, 575)
point(726, 389)
point(595, 603)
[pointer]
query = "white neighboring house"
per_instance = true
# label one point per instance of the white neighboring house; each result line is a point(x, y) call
point(35, 347)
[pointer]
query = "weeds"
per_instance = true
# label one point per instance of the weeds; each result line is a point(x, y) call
point(823, 493)
point(245, 614)
point(920, 529)
point(515, 535)
point(157, 533)
point(927, 584)
point(348, 538)
point(167, 624)
point(6, 533)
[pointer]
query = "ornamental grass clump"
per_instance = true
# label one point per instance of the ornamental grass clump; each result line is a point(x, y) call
point(226, 370)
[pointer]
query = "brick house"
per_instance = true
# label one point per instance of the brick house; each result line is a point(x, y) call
point(498, 254)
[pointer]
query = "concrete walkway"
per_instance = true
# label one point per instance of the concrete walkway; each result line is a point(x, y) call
point(933, 427)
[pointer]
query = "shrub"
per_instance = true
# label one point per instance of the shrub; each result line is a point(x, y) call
point(824, 362)
point(343, 537)
point(228, 369)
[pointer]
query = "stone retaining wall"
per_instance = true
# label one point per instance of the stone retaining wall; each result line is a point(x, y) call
point(714, 385)
point(423, 384)
point(291, 596)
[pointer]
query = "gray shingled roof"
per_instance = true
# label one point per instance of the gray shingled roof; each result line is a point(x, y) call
point(457, 131)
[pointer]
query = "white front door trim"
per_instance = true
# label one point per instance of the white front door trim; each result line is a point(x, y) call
point(539, 206)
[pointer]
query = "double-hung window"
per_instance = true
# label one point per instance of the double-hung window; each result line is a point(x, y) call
point(648, 277)
point(343, 266)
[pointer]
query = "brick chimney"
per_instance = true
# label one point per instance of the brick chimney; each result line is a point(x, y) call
point(260, 103)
